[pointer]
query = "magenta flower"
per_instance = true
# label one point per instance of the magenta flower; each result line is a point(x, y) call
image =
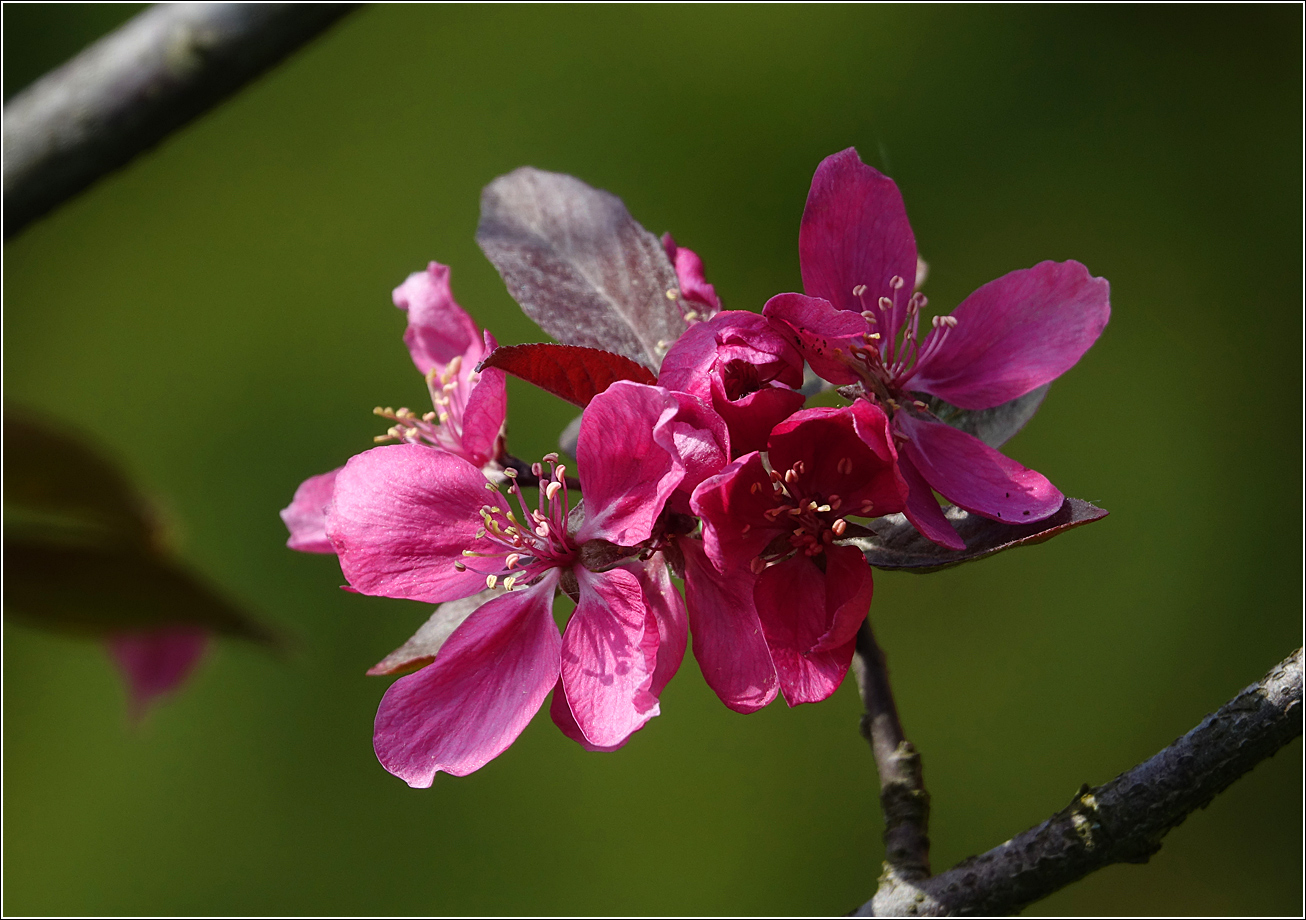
point(470, 406)
point(859, 325)
point(744, 367)
point(425, 524)
point(780, 521)
point(156, 662)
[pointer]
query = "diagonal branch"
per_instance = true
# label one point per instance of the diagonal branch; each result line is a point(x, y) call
point(1121, 821)
point(903, 799)
point(132, 88)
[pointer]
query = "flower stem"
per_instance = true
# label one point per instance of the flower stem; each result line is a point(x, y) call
point(903, 799)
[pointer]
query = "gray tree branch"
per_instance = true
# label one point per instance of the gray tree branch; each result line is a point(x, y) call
point(129, 90)
point(1121, 821)
point(903, 799)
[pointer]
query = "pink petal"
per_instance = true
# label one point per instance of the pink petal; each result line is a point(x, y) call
point(156, 662)
point(751, 419)
point(854, 232)
point(484, 414)
point(438, 329)
point(695, 437)
point(974, 476)
point(728, 642)
point(609, 656)
point(667, 609)
point(823, 334)
point(625, 475)
point(402, 516)
point(805, 613)
point(305, 516)
point(923, 511)
point(560, 712)
point(733, 506)
point(1015, 334)
point(689, 272)
point(488, 680)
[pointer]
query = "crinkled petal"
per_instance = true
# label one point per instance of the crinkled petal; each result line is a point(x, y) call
point(752, 418)
point(974, 476)
point(923, 511)
point(728, 642)
point(305, 516)
point(696, 438)
point(823, 334)
point(402, 516)
point(733, 506)
point(625, 475)
point(804, 612)
point(855, 232)
point(157, 661)
point(438, 329)
point(1014, 334)
point(488, 680)
point(689, 272)
point(608, 657)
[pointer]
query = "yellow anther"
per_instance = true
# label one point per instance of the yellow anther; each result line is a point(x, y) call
point(672, 294)
point(459, 566)
point(509, 582)
point(491, 580)
point(824, 508)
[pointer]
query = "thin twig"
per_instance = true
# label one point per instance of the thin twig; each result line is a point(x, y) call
point(903, 799)
point(132, 88)
point(1121, 821)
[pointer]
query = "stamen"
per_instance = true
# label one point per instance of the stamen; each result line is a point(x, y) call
point(460, 566)
point(551, 457)
point(511, 559)
point(552, 489)
point(896, 282)
point(755, 488)
point(491, 580)
point(845, 466)
point(757, 565)
point(839, 527)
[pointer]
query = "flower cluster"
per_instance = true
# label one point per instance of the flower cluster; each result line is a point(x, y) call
point(712, 470)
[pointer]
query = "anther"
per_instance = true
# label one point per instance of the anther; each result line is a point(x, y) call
point(755, 488)
point(552, 489)
point(460, 566)
point(491, 580)
point(790, 477)
point(511, 559)
point(824, 508)
point(886, 303)
point(839, 527)
point(510, 473)
point(551, 457)
point(896, 282)
point(859, 290)
point(672, 294)
point(845, 465)
point(757, 565)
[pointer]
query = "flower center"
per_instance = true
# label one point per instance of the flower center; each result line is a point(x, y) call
point(893, 352)
point(516, 550)
point(811, 521)
point(740, 378)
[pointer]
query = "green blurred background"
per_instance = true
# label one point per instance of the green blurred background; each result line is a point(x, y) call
point(217, 316)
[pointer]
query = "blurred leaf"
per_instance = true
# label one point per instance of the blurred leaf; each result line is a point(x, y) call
point(103, 591)
point(995, 426)
point(891, 542)
point(421, 649)
point(580, 265)
point(570, 372)
point(51, 478)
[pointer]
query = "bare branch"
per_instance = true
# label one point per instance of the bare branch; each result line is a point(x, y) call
point(129, 90)
point(903, 799)
point(1121, 821)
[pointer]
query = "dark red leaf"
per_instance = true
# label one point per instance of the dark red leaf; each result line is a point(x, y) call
point(892, 543)
point(571, 372)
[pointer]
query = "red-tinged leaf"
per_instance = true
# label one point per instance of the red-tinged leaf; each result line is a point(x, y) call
point(570, 372)
point(892, 543)
point(580, 265)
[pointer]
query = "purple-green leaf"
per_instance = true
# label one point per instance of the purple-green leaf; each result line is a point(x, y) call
point(101, 591)
point(421, 649)
point(891, 542)
point(580, 265)
point(993, 426)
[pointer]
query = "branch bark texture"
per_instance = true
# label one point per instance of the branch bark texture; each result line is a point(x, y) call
point(132, 88)
point(1121, 821)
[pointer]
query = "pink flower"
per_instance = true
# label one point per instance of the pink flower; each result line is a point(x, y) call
point(779, 522)
point(744, 367)
point(859, 325)
point(156, 662)
point(416, 523)
point(470, 406)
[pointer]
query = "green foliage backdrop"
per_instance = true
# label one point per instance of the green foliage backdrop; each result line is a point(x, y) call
point(217, 316)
